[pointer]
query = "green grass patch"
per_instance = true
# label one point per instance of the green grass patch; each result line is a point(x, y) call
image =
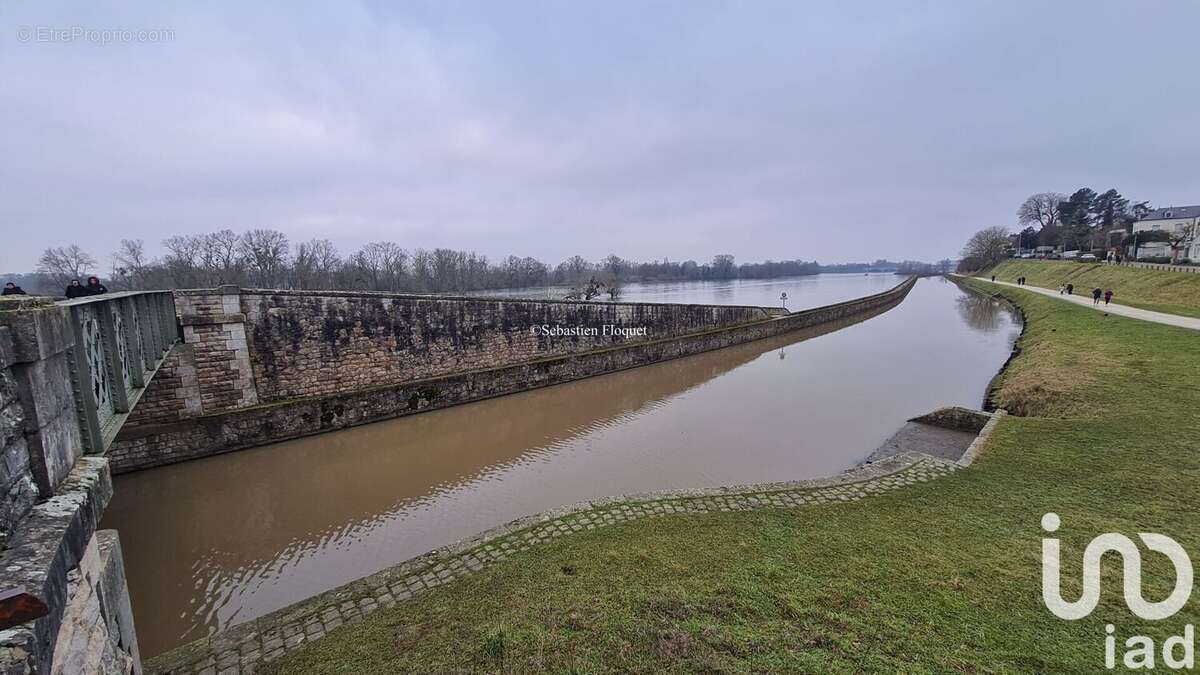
point(1157, 290)
point(942, 576)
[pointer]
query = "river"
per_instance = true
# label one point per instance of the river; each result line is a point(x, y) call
point(224, 539)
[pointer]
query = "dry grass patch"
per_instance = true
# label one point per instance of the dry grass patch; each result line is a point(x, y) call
point(1061, 390)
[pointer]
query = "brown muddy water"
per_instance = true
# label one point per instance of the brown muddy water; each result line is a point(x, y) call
point(224, 539)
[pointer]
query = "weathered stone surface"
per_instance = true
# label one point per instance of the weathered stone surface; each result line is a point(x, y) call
point(19, 491)
point(51, 427)
point(306, 344)
point(48, 548)
point(173, 394)
point(7, 354)
point(176, 437)
point(45, 389)
point(938, 441)
point(955, 417)
point(96, 634)
point(38, 329)
point(48, 543)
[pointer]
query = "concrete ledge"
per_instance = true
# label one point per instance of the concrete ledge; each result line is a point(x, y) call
point(44, 548)
point(976, 446)
point(208, 320)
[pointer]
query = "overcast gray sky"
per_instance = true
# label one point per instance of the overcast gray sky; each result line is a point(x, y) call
point(835, 131)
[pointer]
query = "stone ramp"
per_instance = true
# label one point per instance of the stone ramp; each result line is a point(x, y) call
point(945, 433)
point(931, 440)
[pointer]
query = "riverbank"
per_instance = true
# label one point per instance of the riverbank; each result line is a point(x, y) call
point(941, 575)
point(1088, 301)
point(1156, 290)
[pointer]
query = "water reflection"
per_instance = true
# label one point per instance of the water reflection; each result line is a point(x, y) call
point(984, 313)
point(802, 292)
point(228, 538)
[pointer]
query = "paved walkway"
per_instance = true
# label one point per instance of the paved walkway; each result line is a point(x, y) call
point(1119, 310)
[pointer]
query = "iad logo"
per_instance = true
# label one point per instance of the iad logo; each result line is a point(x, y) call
point(1140, 651)
point(1131, 557)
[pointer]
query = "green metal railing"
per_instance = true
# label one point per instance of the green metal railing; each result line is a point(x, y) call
point(121, 340)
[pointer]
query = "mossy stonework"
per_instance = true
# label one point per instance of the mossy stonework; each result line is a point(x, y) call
point(265, 366)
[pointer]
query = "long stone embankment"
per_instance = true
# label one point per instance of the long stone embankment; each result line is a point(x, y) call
point(263, 366)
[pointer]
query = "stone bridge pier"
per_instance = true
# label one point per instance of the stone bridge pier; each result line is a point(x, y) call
point(69, 373)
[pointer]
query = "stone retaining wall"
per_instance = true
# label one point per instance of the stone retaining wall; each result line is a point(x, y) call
point(304, 344)
point(157, 442)
point(247, 347)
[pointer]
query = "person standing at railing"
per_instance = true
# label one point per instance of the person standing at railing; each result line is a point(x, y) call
point(75, 290)
point(94, 287)
point(12, 289)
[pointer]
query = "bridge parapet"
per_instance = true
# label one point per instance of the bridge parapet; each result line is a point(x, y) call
point(69, 374)
point(120, 340)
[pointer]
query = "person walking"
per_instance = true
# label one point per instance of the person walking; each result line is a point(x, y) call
point(1096, 296)
point(1062, 288)
point(1108, 296)
point(1070, 289)
point(75, 290)
point(12, 289)
point(993, 278)
point(94, 287)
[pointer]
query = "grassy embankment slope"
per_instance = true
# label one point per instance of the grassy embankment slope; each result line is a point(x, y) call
point(941, 576)
point(1160, 291)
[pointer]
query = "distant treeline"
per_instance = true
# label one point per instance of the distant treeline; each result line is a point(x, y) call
point(267, 259)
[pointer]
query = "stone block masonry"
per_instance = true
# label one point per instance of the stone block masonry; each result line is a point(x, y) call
point(37, 406)
point(304, 363)
point(54, 496)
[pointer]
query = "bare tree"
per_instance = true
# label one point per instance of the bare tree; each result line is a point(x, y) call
point(182, 262)
point(315, 263)
point(1179, 240)
point(1041, 208)
point(986, 247)
point(64, 263)
point(422, 270)
point(380, 264)
point(129, 264)
point(221, 257)
point(572, 270)
point(445, 265)
point(266, 255)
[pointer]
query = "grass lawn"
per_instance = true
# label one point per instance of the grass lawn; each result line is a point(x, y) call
point(942, 576)
point(1171, 292)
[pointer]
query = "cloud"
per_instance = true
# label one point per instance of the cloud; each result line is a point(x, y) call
point(678, 129)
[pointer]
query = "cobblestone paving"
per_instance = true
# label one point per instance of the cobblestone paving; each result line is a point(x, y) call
point(243, 647)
